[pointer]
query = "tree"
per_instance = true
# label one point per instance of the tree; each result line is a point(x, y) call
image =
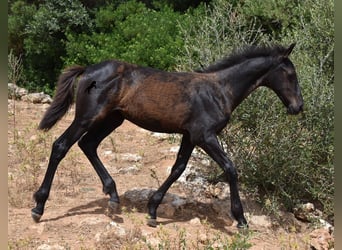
point(44, 41)
point(20, 14)
point(130, 32)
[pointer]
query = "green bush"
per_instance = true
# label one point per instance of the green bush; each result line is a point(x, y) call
point(37, 33)
point(131, 32)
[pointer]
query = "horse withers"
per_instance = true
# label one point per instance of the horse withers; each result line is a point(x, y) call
point(197, 105)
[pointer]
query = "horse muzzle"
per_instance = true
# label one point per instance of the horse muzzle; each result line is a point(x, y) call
point(295, 109)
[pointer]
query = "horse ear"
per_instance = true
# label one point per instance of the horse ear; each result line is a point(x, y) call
point(289, 50)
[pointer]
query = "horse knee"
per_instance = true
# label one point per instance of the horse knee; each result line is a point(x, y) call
point(231, 173)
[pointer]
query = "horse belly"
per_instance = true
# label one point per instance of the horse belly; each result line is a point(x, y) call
point(158, 119)
point(159, 112)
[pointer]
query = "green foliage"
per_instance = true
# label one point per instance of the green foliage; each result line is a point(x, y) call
point(129, 32)
point(274, 16)
point(212, 33)
point(19, 15)
point(38, 32)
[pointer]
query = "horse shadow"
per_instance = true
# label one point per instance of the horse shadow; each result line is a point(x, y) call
point(205, 211)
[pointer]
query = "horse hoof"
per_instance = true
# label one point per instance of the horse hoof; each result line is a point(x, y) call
point(152, 222)
point(114, 206)
point(36, 217)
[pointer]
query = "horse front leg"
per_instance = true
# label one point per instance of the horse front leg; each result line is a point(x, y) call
point(212, 147)
point(178, 168)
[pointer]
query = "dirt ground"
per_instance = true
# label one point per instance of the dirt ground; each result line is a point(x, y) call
point(77, 216)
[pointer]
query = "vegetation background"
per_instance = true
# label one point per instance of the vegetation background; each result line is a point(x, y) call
point(282, 161)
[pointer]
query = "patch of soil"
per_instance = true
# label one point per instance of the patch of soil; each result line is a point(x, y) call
point(77, 215)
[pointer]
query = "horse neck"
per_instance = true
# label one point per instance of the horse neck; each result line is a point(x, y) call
point(242, 79)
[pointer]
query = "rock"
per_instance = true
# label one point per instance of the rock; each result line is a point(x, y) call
point(178, 201)
point(195, 221)
point(16, 92)
point(129, 170)
point(220, 190)
point(320, 239)
point(168, 206)
point(130, 157)
point(46, 100)
point(167, 210)
point(33, 138)
point(37, 98)
point(138, 195)
point(112, 235)
point(326, 225)
point(306, 212)
point(119, 231)
point(22, 94)
point(261, 221)
point(108, 152)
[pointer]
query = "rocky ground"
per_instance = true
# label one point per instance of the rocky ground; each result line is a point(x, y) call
point(194, 214)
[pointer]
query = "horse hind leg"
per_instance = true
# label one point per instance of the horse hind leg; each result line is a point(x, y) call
point(59, 149)
point(89, 143)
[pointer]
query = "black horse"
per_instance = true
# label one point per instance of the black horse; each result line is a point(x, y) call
point(197, 105)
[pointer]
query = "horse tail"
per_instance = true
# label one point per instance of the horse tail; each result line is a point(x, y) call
point(63, 98)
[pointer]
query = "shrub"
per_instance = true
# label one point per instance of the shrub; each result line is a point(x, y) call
point(129, 33)
point(38, 34)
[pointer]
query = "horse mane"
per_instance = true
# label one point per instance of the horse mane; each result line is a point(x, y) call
point(242, 54)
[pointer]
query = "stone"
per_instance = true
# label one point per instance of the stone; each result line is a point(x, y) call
point(15, 91)
point(261, 221)
point(326, 225)
point(304, 212)
point(33, 138)
point(107, 152)
point(320, 239)
point(119, 231)
point(167, 210)
point(130, 157)
point(129, 170)
point(36, 98)
point(195, 221)
point(46, 99)
point(178, 201)
point(138, 195)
